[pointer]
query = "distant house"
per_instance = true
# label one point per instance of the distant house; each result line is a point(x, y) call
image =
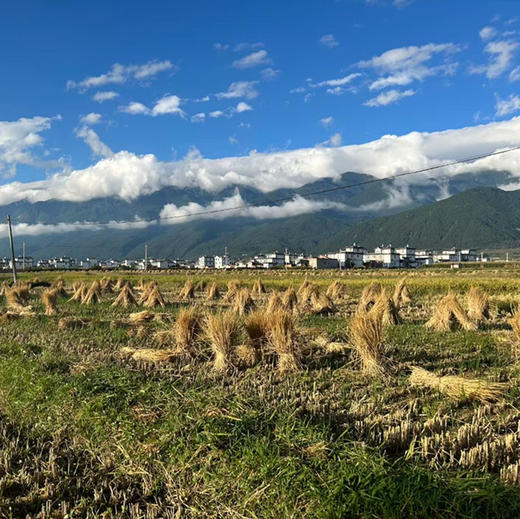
point(352, 256)
point(271, 260)
point(407, 256)
point(386, 257)
point(222, 262)
point(323, 262)
point(205, 262)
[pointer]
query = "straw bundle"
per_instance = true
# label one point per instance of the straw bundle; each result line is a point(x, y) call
point(306, 283)
point(49, 298)
point(93, 294)
point(515, 324)
point(385, 309)
point(149, 354)
point(80, 292)
point(448, 315)
point(336, 291)
point(120, 283)
point(321, 304)
point(257, 326)
point(258, 287)
point(212, 291)
point(368, 339)
point(242, 302)
point(126, 297)
point(223, 334)
point(281, 339)
point(188, 290)
point(201, 285)
point(59, 286)
point(274, 303)
point(478, 305)
point(369, 296)
point(17, 296)
point(141, 317)
point(458, 387)
point(106, 285)
point(186, 329)
point(401, 294)
point(290, 300)
point(154, 299)
point(232, 289)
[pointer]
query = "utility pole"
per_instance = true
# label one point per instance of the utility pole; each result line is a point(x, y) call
point(146, 257)
point(23, 255)
point(15, 277)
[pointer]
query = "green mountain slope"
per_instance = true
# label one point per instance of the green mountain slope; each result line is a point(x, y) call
point(480, 217)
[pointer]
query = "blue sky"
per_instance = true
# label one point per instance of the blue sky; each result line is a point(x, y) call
point(84, 82)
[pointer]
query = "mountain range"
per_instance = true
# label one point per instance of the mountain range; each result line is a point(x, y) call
point(472, 212)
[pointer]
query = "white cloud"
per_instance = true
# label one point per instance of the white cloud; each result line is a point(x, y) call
point(486, 33)
point(329, 40)
point(514, 75)
point(254, 59)
point(245, 46)
point(101, 97)
point(327, 121)
point(99, 149)
point(243, 107)
point(91, 118)
point(198, 118)
point(18, 139)
point(269, 74)
point(128, 175)
point(216, 114)
point(335, 140)
point(501, 56)
point(404, 65)
point(220, 46)
point(232, 139)
point(507, 106)
point(388, 97)
point(235, 205)
point(169, 104)
point(119, 74)
point(334, 86)
point(237, 89)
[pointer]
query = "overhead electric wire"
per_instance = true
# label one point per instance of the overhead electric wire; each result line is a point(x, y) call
point(291, 197)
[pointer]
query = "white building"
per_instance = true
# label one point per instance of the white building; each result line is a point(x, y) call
point(89, 263)
point(407, 256)
point(349, 257)
point(385, 257)
point(271, 260)
point(205, 262)
point(323, 262)
point(222, 262)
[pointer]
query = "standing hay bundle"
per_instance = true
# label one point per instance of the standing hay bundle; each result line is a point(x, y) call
point(515, 324)
point(59, 286)
point(281, 327)
point(274, 303)
point(223, 333)
point(3, 287)
point(186, 330)
point(257, 326)
point(126, 297)
point(93, 295)
point(336, 291)
point(17, 296)
point(448, 315)
point(478, 305)
point(120, 283)
point(212, 291)
point(369, 296)
point(49, 298)
point(232, 289)
point(401, 294)
point(106, 285)
point(201, 286)
point(458, 387)
point(368, 339)
point(155, 298)
point(146, 290)
point(290, 300)
point(303, 287)
point(258, 287)
point(188, 290)
point(321, 304)
point(385, 310)
point(141, 285)
point(243, 302)
point(80, 292)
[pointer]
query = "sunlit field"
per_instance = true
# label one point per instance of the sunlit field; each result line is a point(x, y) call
point(261, 394)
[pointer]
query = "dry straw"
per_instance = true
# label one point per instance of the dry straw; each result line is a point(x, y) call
point(106, 285)
point(49, 298)
point(368, 338)
point(59, 286)
point(201, 285)
point(385, 309)
point(232, 289)
point(243, 302)
point(515, 324)
point(141, 317)
point(17, 296)
point(120, 283)
point(401, 294)
point(478, 305)
point(336, 291)
point(449, 314)
point(281, 337)
point(257, 326)
point(188, 290)
point(290, 300)
point(275, 302)
point(212, 291)
point(186, 329)
point(321, 304)
point(80, 292)
point(258, 287)
point(149, 354)
point(155, 298)
point(458, 387)
point(223, 333)
point(369, 296)
point(93, 295)
point(126, 297)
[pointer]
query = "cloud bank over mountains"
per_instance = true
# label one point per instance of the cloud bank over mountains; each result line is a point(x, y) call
point(128, 175)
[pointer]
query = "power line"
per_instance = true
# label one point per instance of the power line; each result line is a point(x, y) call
point(311, 193)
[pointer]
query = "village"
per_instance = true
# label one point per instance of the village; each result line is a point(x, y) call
point(354, 256)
